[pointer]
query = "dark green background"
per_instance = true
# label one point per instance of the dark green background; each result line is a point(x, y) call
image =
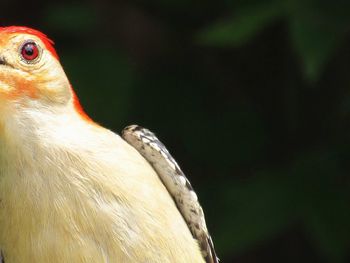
point(251, 97)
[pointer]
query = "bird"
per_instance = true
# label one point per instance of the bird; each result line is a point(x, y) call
point(72, 191)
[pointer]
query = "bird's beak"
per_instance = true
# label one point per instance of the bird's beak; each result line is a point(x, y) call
point(4, 64)
point(3, 61)
point(5, 68)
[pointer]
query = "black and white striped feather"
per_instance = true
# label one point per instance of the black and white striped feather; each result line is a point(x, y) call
point(176, 183)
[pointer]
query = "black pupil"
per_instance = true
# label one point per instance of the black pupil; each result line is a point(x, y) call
point(29, 49)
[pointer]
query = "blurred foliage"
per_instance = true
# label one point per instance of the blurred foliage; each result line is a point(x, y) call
point(316, 28)
point(74, 18)
point(252, 98)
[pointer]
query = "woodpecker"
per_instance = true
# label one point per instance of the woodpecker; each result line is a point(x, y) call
point(72, 191)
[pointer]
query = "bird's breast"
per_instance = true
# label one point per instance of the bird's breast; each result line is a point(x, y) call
point(98, 202)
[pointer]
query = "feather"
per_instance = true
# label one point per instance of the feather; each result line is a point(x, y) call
point(177, 184)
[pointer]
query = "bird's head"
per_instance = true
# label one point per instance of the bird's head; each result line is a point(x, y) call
point(31, 76)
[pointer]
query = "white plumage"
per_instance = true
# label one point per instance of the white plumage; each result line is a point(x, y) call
point(72, 191)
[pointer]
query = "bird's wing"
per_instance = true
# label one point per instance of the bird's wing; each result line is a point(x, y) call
point(178, 186)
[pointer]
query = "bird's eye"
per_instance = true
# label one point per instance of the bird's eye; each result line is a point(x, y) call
point(30, 51)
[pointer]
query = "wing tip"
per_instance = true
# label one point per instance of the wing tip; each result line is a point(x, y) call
point(214, 258)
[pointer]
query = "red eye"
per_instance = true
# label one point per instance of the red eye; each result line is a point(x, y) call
point(30, 51)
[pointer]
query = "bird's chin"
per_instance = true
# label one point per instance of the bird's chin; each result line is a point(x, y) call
point(6, 73)
point(5, 88)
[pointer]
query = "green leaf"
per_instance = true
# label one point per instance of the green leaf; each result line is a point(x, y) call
point(315, 41)
point(316, 32)
point(241, 28)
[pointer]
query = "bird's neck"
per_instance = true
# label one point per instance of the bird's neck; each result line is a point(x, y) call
point(28, 129)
